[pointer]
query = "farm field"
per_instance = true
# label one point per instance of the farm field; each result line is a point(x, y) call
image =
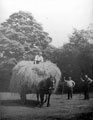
point(60, 109)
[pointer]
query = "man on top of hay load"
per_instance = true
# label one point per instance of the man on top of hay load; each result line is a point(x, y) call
point(38, 58)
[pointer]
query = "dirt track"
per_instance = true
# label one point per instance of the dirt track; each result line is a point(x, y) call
point(61, 108)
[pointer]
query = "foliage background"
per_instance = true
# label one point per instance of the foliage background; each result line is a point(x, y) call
point(21, 37)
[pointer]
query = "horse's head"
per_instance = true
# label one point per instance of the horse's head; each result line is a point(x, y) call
point(52, 82)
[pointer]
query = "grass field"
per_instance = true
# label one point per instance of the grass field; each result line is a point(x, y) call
point(60, 109)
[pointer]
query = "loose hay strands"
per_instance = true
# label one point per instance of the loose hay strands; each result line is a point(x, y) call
point(27, 75)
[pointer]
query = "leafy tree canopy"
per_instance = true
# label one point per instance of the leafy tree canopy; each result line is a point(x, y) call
point(19, 33)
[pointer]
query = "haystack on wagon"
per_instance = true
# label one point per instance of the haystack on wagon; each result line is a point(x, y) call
point(27, 76)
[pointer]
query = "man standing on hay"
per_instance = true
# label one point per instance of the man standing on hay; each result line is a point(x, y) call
point(38, 58)
point(70, 84)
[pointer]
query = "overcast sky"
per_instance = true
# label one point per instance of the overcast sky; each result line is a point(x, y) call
point(58, 17)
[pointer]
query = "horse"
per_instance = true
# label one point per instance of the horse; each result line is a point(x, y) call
point(43, 90)
point(46, 88)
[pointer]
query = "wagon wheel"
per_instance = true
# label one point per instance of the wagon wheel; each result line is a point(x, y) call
point(23, 98)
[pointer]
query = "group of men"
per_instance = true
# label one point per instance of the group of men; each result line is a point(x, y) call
point(86, 82)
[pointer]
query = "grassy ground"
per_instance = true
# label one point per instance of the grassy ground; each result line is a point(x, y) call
point(60, 109)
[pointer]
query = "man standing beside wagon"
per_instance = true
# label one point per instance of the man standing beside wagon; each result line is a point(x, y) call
point(86, 83)
point(70, 84)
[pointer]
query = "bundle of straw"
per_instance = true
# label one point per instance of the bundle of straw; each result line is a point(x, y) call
point(26, 75)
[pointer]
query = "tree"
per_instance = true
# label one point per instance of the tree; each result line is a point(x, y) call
point(75, 58)
point(18, 37)
point(81, 41)
point(22, 30)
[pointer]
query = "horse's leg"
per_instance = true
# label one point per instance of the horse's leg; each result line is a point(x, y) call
point(41, 99)
point(23, 98)
point(45, 99)
point(37, 97)
point(48, 101)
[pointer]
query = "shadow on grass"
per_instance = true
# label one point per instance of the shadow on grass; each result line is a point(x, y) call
point(82, 116)
point(29, 103)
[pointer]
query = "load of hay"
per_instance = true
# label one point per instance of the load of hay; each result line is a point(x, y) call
point(26, 75)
